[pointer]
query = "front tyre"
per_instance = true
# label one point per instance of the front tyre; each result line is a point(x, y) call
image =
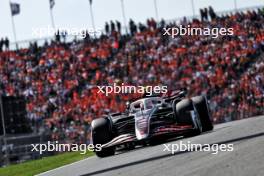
point(105, 152)
point(102, 134)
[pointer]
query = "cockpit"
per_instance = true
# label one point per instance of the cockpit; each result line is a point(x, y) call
point(145, 104)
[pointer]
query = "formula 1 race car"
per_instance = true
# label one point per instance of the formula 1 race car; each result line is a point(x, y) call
point(149, 119)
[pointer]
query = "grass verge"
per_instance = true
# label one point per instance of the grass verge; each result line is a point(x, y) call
point(34, 167)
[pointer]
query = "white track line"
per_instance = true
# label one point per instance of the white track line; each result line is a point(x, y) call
point(90, 157)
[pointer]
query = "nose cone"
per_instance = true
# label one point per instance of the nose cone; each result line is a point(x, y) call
point(142, 127)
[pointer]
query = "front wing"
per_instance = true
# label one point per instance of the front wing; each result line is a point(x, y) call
point(162, 130)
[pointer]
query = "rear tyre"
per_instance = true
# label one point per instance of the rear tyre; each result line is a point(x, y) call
point(201, 104)
point(183, 109)
point(183, 114)
point(101, 134)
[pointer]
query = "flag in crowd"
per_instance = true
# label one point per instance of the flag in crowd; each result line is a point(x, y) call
point(52, 3)
point(15, 8)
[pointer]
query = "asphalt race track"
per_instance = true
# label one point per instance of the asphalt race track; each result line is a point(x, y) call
point(247, 159)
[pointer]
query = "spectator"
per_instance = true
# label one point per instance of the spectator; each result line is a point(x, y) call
point(132, 27)
point(118, 25)
point(212, 13)
point(112, 25)
point(204, 14)
point(1, 44)
point(6, 43)
point(106, 28)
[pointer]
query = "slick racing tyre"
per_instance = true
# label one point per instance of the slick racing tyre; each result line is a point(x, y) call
point(101, 134)
point(182, 111)
point(184, 116)
point(201, 104)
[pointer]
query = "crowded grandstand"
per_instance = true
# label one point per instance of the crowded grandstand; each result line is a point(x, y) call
point(59, 79)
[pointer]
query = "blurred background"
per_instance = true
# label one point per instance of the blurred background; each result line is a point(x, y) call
point(68, 13)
